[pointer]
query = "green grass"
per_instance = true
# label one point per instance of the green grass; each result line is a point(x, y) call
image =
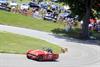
point(21, 1)
point(8, 18)
point(14, 43)
point(96, 34)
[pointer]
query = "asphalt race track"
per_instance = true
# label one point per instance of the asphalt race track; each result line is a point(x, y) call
point(80, 54)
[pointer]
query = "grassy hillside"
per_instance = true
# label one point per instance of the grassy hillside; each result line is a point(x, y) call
point(8, 18)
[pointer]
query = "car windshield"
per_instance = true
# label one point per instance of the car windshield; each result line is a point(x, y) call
point(47, 49)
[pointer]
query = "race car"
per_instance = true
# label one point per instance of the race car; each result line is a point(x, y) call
point(42, 55)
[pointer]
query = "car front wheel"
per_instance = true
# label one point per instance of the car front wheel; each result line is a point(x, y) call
point(29, 56)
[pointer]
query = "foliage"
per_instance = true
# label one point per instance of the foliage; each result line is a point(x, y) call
point(78, 6)
point(84, 8)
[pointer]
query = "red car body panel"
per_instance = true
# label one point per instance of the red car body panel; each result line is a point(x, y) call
point(34, 54)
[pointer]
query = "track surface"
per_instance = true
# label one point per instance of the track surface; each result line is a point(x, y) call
point(80, 54)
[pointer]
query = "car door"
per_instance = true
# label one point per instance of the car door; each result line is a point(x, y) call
point(49, 56)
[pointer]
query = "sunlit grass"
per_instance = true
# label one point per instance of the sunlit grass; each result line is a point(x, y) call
point(14, 43)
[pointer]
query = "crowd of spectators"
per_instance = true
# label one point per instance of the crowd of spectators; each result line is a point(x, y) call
point(94, 24)
point(43, 10)
point(51, 12)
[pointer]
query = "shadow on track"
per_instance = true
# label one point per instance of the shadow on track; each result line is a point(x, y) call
point(73, 37)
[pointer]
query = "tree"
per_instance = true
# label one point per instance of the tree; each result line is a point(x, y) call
point(83, 8)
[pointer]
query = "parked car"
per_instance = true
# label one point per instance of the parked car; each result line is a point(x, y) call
point(54, 0)
point(33, 5)
point(42, 55)
point(43, 5)
point(52, 16)
point(24, 6)
point(4, 5)
point(3, 1)
point(13, 4)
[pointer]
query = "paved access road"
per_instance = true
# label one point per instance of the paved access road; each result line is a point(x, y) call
point(80, 54)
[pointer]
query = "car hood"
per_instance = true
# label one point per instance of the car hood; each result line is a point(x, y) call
point(38, 52)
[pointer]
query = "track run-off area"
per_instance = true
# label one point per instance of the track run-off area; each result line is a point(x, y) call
point(80, 54)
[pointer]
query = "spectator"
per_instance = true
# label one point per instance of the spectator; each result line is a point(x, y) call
point(92, 22)
point(91, 26)
point(98, 26)
point(36, 14)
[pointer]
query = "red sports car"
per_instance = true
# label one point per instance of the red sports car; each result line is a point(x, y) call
point(42, 55)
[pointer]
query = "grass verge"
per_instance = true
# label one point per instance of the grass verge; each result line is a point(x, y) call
point(14, 43)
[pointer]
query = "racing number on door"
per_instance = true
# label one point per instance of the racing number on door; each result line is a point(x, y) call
point(50, 56)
